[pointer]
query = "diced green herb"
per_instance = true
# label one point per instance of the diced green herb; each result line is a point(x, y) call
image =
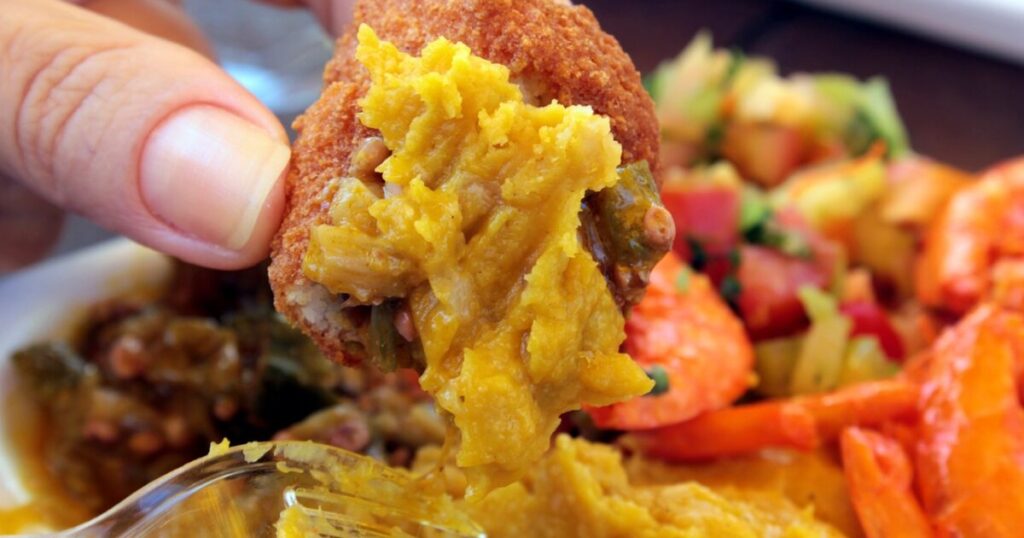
point(730, 288)
point(734, 258)
point(754, 210)
point(713, 140)
point(760, 228)
point(658, 374)
point(683, 280)
point(736, 60)
point(698, 256)
point(788, 242)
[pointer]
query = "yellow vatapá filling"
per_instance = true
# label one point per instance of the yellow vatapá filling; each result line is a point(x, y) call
point(582, 489)
point(476, 227)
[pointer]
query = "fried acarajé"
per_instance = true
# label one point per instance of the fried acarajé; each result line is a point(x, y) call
point(473, 195)
point(553, 51)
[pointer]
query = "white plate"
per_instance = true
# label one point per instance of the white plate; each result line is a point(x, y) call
point(42, 303)
point(991, 26)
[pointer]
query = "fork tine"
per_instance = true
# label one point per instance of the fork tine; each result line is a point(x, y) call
point(242, 490)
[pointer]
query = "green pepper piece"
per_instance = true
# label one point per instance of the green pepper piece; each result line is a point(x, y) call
point(634, 230)
point(383, 335)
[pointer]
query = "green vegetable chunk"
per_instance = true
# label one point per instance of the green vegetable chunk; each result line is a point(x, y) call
point(383, 335)
point(865, 361)
point(819, 365)
point(632, 230)
point(661, 382)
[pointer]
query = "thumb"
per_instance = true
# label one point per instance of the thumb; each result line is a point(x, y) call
point(141, 135)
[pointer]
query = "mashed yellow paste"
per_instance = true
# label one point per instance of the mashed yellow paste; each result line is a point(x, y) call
point(477, 228)
point(582, 489)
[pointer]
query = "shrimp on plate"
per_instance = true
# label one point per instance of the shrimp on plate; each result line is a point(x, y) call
point(975, 248)
point(690, 343)
point(970, 446)
point(880, 474)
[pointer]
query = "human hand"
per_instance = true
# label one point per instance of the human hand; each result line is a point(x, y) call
point(135, 131)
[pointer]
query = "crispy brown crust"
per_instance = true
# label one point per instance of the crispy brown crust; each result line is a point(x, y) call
point(556, 51)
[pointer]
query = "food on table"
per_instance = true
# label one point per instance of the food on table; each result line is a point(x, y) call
point(146, 386)
point(716, 104)
point(880, 289)
point(831, 347)
point(818, 260)
point(690, 343)
point(881, 480)
point(973, 250)
point(581, 488)
point(805, 478)
point(800, 423)
point(970, 444)
point(435, 215)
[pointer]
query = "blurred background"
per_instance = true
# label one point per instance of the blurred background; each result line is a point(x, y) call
point(956, 67)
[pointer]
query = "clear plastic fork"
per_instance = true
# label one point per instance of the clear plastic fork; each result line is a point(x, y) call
point(287, 488)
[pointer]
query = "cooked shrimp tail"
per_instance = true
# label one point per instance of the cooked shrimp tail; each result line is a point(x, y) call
point(879, 475)
point(970, 453)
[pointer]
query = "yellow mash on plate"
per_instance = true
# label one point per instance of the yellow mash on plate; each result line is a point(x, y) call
point(477, 230)
point(581, 489)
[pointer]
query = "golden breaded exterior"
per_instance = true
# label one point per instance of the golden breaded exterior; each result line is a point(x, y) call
point(554, 51)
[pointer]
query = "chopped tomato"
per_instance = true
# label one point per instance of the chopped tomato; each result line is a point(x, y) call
point(708, 214)
point(683, 333)
point(769, 281)
point(824, 252)
point(766, 154)
point(869, 319)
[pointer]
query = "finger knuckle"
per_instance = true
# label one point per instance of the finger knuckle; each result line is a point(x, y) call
point(60, 111)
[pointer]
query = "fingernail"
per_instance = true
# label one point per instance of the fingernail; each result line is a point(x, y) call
point(208, 172)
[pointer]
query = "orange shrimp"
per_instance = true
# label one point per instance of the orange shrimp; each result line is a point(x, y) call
point(732, 431)
point(970, 449)
point(980, 228)
point(800, 423)
point(879, 476)
point(683, 332)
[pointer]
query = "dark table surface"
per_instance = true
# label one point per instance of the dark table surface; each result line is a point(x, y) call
point(959, 107)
